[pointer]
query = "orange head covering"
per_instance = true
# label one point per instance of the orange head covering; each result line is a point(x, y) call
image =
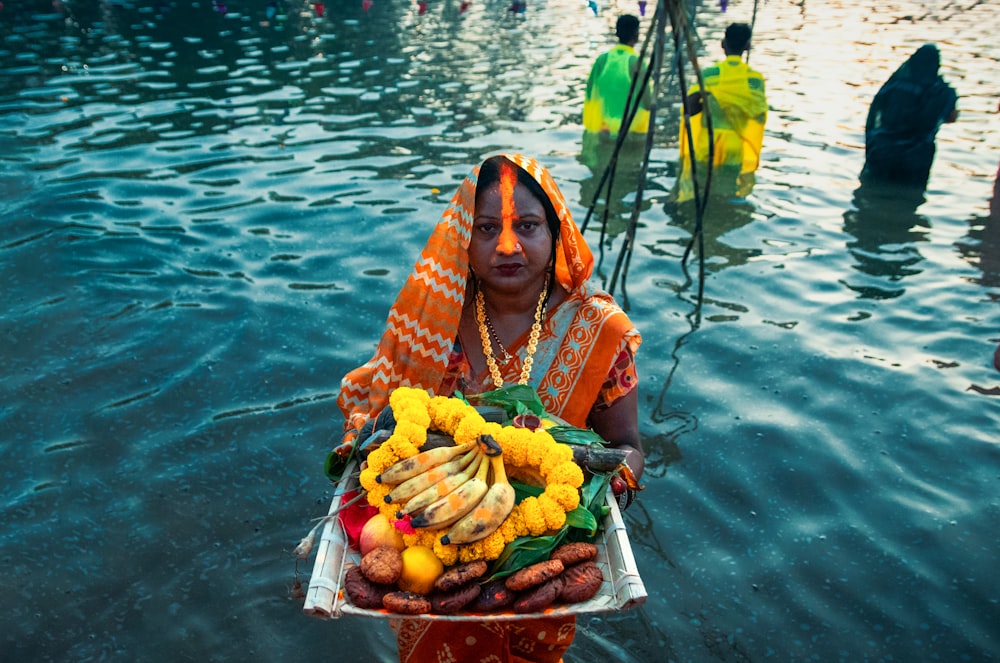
point(423, 322)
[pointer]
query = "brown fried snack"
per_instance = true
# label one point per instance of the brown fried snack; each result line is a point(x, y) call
point(582, 582)
point(540, 596)
point(382, 565)
point(492, 596)
point(574, 553)
point(459, 575)
point(450, 602)
point(535, 574)
point(362, 592)
point(406, 603)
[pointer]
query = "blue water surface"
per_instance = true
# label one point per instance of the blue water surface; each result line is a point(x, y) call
point(209, 207)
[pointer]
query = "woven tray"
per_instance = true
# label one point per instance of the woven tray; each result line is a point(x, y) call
point(622, 588)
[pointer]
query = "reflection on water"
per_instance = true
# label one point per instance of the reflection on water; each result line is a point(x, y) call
point(981, 246)
point(886, 229)
point(609, 193)
point(207, 214)
point(723, 214)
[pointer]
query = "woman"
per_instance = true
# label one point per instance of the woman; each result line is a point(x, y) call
point(904, 119)
point(500, 296)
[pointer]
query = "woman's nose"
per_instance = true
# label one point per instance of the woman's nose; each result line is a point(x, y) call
point(508, 242)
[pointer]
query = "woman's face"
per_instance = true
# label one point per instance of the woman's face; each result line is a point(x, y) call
point(511, 244)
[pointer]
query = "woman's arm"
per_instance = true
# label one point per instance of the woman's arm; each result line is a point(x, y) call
point(619, 425)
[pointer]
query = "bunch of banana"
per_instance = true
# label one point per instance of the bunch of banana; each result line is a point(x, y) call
point(423, 461)
point(405, 491)
point(451, 507)
point(489, 514)
point(436, 491)
point(453, 486)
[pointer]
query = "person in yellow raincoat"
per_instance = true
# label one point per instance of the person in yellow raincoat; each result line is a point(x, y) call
point(610, 81)
point(737, 105)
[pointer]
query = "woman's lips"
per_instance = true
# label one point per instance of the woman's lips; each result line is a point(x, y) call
point(508, 270)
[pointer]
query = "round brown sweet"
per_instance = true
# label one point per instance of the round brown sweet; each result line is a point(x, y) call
point(460, 575)
point(540, 596)
point(574, 553)
point(492, 596)
point(382, 565)
point(450, 602)
point(582, 582)
point(535, 574)
point(362, 592)
point(406, 603)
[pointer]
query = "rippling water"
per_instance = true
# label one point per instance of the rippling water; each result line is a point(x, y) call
point(207, 214)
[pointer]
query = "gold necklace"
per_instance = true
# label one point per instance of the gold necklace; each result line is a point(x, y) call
point(484, 335)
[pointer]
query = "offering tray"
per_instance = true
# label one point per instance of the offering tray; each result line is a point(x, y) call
point(622, 587)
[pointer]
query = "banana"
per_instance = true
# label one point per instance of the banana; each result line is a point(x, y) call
point(489, 514)
point(446, 486)
point(451, 507)
point(423, 461)
point(406, 490)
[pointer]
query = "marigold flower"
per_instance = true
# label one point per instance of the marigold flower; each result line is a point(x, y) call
point(514, 526)
point(382, 459)
point(447, 554)
point(516, 443)
point(401, 395)
point(421, 537)
point(407, 437)
point(554, 515)
point(493, 545)
point(554, 455)
point(447, 415)
point(376, 495)
point(470, 427)
point(367, 478)
point(534, 519)
point(565, 495)
point(568, 473)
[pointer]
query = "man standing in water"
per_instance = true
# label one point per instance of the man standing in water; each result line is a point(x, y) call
point(734, 95)
point(904, 119)
point(609, 83)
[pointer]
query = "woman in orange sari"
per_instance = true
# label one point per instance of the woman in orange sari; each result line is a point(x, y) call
point(500, 296)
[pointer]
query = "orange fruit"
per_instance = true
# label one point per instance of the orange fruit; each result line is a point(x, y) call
point(421, 567)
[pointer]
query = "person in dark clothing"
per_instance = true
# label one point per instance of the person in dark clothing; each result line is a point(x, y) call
point(904, 119)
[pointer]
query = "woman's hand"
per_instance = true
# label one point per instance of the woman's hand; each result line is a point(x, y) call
point(619, 426)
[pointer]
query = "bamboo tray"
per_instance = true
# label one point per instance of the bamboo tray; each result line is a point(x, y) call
point(622, 588)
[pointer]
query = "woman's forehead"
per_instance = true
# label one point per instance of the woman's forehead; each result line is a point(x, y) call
point(500, 200)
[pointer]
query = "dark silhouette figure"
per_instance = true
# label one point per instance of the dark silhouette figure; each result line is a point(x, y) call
point(904, 119)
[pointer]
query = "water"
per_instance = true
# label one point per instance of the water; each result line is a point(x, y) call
point(206, 216)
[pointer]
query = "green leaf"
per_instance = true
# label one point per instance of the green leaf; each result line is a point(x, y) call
point(336, 464)
point(515, 399)
point(522, 490)
point(572, 435)
point(582, 518)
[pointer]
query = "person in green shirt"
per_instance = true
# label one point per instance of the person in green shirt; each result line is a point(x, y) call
point(610, 81)
point(735, 99)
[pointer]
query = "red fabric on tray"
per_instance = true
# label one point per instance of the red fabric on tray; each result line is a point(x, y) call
point(354, 517)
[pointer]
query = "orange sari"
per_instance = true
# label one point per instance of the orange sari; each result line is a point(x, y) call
point(581, 341)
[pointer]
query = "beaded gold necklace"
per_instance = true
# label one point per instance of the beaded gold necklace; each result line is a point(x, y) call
point(484, 335)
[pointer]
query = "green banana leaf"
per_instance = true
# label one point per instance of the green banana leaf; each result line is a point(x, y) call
point(515, 399)
point(572, 435)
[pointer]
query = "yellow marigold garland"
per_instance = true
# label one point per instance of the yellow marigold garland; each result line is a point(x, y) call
point(416, 411)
